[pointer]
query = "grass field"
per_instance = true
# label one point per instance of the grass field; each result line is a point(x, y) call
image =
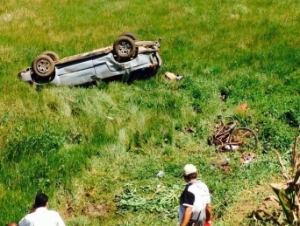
point(96, 151)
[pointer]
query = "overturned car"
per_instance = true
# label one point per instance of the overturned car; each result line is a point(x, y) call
point(126, 56)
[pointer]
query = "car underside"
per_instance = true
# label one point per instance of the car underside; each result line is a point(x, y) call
point(127, 55)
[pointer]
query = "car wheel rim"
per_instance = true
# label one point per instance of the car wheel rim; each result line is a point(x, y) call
point(125, 47)
point(43, 66)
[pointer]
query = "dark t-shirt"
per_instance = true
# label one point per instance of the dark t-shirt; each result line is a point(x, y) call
point(187, 197)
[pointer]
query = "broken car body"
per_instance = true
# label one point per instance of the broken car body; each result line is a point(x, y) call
point(125, 56)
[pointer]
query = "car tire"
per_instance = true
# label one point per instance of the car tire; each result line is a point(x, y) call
point(130, 35)
point(124, 47)
point(51, 54)
point(134, 38)
point(43, 66)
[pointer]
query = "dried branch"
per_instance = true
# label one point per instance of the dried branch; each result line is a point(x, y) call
point(283, 169)
point(296, 156)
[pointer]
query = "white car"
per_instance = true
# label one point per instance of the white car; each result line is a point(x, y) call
point(125, 56)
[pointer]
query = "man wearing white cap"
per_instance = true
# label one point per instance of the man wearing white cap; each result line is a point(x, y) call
point(195, 207)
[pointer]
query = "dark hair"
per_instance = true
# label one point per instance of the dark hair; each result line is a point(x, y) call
point(41, 200)
point(191, 176)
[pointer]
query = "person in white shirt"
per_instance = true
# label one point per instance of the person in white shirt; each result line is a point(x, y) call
point(195, 201)
point(41, 216)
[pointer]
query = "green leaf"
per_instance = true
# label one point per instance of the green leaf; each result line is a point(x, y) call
point(286, 205)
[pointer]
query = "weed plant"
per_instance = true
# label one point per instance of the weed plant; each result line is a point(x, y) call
point(97, 150)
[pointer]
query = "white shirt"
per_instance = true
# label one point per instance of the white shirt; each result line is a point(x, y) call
point(42, 217)
point(195, 195)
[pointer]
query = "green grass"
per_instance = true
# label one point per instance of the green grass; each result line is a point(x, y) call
point(104, 145)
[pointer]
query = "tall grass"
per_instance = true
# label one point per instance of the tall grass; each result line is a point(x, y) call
point(104, 145)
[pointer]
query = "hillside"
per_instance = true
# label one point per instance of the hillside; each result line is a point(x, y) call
point(96, 150)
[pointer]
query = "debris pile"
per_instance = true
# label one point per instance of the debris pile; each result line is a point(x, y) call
point(173, 77)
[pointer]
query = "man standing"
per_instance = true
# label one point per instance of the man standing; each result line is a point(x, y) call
point(195, 207)
point(41, 216)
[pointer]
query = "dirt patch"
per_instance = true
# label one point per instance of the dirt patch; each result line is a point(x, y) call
point(247, 202)
point(96, 210)
point(89, 209)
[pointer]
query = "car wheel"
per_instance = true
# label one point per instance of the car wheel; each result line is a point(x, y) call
point(43, 66)
point(124, 47)
point(130, 35)
point(51, 54)
point(134, 38)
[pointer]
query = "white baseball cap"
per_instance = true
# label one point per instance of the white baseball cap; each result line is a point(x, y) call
point(189, 169)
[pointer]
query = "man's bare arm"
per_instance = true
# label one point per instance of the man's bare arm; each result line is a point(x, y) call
point(186, 216)
point(208, 211)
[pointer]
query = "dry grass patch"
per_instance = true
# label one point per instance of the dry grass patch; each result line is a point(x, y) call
point(247, 202)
